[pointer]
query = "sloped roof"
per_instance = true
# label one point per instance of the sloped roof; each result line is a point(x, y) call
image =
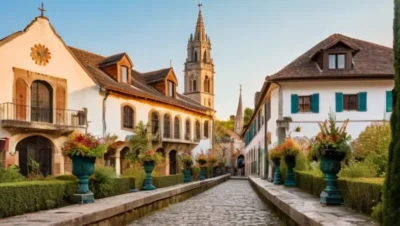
point(156, 76)
point(139, 87)
point(371, 61)
point(111, 59)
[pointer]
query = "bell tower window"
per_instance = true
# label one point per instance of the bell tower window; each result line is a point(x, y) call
point(207, 84)
point(195, 56)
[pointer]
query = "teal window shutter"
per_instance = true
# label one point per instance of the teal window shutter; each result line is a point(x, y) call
point(295, 103)
point(339, 102)
point(362, 101)
point(389, 101)
point(315, 103)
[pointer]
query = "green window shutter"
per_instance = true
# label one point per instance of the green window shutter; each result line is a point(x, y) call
point(295, 103)
point(339, 102)
point(362, 101)
point(389, 101)
point(315, 103)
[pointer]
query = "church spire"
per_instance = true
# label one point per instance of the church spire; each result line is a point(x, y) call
point(239, 115)
point(200, 33)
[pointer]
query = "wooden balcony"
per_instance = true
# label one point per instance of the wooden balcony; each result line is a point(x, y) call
point(34, 119)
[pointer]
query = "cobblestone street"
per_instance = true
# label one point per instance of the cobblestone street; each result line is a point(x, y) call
point(231, 203)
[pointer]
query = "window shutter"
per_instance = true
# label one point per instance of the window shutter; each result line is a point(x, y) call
point(362, 101)
point(339, 102)
point(315, 103)
point(295, 103)
point(389, 101)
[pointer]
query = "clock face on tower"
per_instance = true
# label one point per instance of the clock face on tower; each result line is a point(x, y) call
point(40, 54)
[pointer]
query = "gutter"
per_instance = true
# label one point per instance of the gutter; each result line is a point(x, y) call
point(102, 90)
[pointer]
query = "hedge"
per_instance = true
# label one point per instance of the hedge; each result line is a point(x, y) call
point(29, 196)
point(359, 193)
point(165, 181)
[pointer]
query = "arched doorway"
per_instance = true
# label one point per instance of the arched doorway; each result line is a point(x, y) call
point(240, 165)
point(35, 149)
point(41, 102)
point(124, 163)
point(109, 158)
point(173, 165)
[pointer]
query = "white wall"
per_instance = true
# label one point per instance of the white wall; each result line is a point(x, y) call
point(376, 103)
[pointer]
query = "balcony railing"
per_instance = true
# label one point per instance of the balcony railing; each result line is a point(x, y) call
point(23, 115)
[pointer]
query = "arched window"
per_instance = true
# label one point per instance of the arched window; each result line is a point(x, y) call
point(207, 84)
point(41, 102)
point(206, 129)
point(167, 126)
point(154, 123)
point(128, 117)
point(205, 56)
point(197, 130)
point(209, 102)
point(177, 132)
point(195, 56)
point(187, 131)
point(194, 85)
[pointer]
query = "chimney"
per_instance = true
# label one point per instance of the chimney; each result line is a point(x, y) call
point(256, 97)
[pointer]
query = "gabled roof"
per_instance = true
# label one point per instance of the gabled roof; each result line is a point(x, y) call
point(156, 76)
point(138, 87)
point(372, 61)
point(113, 59)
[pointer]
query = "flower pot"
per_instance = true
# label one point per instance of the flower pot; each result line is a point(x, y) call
point(148, 181)
point(202, 162)
point(186, 173)
point(83, 168)
point(330, 165)
point(277, 173)
point(290, 161)
point(203, 171)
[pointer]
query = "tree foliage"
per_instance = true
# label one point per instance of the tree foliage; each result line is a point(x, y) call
point(391, 194)
point(248, 113)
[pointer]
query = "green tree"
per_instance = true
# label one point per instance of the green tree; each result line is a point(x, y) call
point(248, 113)
point(391, 194)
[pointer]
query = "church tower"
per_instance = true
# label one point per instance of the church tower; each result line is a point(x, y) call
point(199, 66)
point(239, 115)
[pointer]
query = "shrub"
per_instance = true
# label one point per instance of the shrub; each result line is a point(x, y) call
point(166, 181)
point(101, 181)
point(359, 169)
point(136, 172)
point(302, 161)
point(68, 177)
point(361, 194)
point(131, 179)
point(11, 174)
point(196, 173)
point(29, 196)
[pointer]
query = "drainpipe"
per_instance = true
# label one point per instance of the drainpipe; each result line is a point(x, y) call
point(106, 92)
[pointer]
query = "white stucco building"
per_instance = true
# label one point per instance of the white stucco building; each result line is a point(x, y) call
point(49, 90)
point(348, 76)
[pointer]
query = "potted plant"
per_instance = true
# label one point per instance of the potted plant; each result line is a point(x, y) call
point(188, 162)
point(275, 155)
point(290, 149)
point(149, 158)
point(83, 149)
point(331, 147)
point(202, 160)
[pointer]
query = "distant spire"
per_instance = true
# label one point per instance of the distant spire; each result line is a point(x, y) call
point(200, 33)
point(42, 10)
point(239, 115)
point(170, 62)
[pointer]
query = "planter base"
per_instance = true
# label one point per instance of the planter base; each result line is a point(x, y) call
point(148, 187)
point(82, 198)
point(331, 198)
point(187, 178)
point(203, 173)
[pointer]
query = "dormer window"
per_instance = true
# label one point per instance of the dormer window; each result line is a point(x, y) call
point(124, 74)
point(337, 61)
point(171, 89)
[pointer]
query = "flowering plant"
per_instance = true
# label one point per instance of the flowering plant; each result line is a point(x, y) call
point(290, 148)
point(201, 158)
point(187, 158)
point(212, 158)
point(83, 144)
point(331, 136)
point(149, 155)
point(275, 153)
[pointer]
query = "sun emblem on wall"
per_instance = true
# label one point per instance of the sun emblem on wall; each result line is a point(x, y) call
point(40, 54)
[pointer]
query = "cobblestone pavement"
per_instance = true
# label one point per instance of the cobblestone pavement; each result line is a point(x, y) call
point(231, 203)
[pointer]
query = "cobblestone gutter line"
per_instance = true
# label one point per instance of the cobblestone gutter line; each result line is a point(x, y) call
point(117, 210)
point(296, 207)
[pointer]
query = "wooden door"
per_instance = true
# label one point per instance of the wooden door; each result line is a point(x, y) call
point(20, 99)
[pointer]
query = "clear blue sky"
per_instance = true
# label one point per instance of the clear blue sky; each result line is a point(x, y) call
point(250, 38)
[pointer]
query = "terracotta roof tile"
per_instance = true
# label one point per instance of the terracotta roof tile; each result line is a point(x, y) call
point(111, 59)
point(156, 76)
point(139, 86)
point(372, 60)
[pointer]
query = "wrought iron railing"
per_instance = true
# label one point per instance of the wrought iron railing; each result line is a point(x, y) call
point(25, 113)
